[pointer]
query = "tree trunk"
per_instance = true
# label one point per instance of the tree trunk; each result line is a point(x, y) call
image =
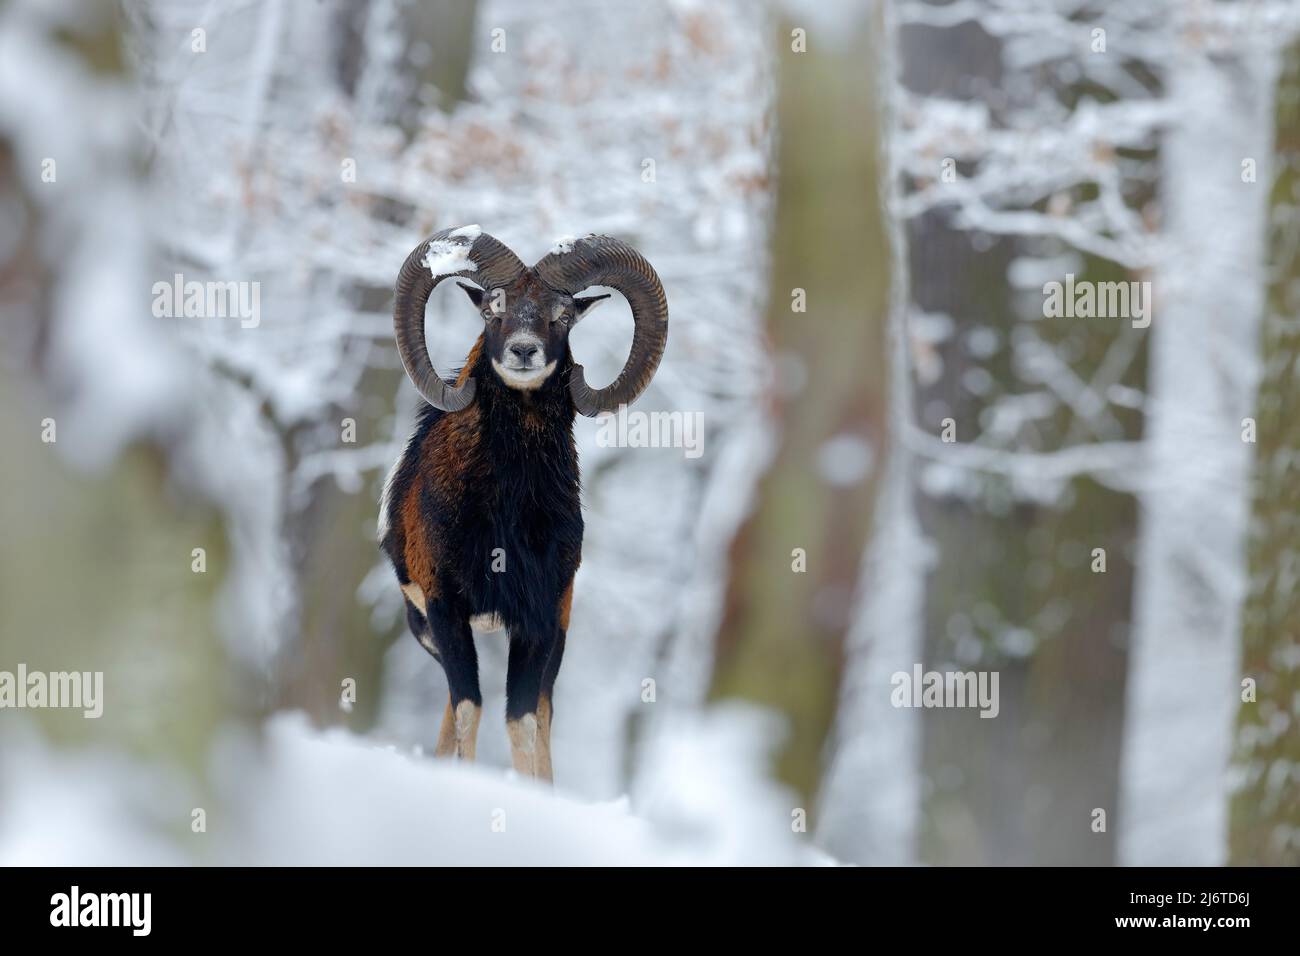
point(1192, 530)
point(871, 797)
point(1265, 809)
point(795, 560)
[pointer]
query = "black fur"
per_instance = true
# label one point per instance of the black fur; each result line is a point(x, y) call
point(520, 494)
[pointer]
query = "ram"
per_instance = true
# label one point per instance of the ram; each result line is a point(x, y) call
point(480, 516)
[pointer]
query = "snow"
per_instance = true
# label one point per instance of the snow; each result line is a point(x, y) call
point(563, 244)
point(90, 808)
point(117, 365)
point(446, 257)
point(300, 796)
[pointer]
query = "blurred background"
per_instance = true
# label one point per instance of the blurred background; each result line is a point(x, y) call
point(857, 210)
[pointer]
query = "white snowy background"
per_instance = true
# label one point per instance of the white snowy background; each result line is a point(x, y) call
point(307, 146)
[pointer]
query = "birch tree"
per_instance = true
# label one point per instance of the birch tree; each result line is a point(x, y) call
point(1204, 364)
point(1039, 143)
point(1026, 161)
point(1264, 814)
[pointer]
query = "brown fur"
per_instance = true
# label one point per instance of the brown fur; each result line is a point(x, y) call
point(447, 733)
point(545, 771)
point(566, 605)
point(419, 556)
point(454, 441)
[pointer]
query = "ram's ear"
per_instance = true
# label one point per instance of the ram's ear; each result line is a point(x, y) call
point(475, 295)
point(582, 304)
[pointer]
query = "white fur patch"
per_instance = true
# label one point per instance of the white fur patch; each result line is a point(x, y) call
point(486, 622)
point(525, 381)
point(386, 499)
point(523, 734)
point(415, 594)
point(466, 716)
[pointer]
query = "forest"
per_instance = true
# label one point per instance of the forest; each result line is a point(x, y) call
point(959, 526)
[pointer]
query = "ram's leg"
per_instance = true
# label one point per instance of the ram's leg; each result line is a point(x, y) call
point(452, 642)
point(546, 699)
point(419, 626)
point(545, 705)
point(525, 672)
point(446, 732)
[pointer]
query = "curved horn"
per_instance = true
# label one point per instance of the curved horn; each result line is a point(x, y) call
point(468, 252)
point(600, 260)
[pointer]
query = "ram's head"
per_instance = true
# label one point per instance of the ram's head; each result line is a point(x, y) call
point(527, 313)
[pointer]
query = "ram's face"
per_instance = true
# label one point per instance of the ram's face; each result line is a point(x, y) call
point(526, 328)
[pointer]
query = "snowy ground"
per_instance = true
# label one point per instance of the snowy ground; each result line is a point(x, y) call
point(301, 796)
